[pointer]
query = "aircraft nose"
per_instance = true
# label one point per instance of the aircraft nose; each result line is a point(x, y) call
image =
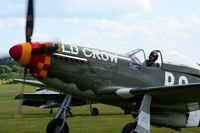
point(21, 53)
point(34, 55)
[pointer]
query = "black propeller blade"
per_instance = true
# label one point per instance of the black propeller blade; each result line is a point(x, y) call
point(29, 21)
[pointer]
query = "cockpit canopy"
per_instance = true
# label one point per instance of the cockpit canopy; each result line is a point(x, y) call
point(167, 57)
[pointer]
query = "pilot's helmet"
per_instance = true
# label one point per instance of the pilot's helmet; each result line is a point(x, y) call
point(153, 55)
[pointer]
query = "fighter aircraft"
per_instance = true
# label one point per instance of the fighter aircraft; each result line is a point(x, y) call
point(44, 98)
point(164, 94)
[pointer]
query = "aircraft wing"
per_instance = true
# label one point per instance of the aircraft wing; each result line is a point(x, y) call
point(31, 82)
point(175, 94)
point(172, 94)
point(34, 83)
point(41, 97)
point(33, 99)
point(41, 104)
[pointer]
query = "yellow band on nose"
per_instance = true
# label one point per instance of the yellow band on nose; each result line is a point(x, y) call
point(26, 53)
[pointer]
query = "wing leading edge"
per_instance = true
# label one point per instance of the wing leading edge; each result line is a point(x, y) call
point(34, 83)
point(164, 94)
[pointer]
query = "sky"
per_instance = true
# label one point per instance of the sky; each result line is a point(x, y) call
point(113, 25)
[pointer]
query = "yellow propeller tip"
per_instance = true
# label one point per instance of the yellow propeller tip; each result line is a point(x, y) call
point(18, 117)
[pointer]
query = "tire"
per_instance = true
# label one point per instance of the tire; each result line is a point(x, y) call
point(95, 112)
point(55, 125)
point(128, 128)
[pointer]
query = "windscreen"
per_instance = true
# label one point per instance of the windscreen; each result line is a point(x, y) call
point(137, 56)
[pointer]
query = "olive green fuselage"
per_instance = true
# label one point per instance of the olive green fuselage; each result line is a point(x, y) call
point(86, 73)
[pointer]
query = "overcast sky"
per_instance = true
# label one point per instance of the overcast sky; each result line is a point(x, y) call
point(114, 25)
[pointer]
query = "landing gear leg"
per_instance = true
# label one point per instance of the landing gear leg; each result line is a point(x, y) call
point(142, 123)
point(94, 111)
point(51, 111)
point(58, 124)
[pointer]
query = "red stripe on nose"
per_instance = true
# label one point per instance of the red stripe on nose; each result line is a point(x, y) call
point(16, 52)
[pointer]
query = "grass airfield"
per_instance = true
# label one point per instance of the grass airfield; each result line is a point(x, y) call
point(35, 120)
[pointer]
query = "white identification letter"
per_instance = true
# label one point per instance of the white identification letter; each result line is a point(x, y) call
point(169, 79)
point(182, 80)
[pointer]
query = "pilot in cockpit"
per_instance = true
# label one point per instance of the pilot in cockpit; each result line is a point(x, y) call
point(152, 58)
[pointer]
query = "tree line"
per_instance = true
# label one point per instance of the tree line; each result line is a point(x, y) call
point(12, 70)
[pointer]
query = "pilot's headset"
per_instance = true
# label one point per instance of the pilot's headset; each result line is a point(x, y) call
point(153, 54)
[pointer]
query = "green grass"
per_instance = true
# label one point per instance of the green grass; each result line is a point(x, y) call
point(35, 120)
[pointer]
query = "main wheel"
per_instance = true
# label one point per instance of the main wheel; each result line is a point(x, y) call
point(54, 126)
point(95, 112)
point(129, 128)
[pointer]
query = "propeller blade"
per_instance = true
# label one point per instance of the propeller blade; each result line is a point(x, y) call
point(29, 20)
point(20, 106)
point(29, 32)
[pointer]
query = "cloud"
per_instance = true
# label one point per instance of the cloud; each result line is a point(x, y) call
point(10, 8)
point(76, 8)
point(105, 8)
point(12, 23)
point(21, 22)
point(41, 37)
point(167, 29)
point(108, 28)
point(195, 18)
point(72, 20)
point(1, 24)
point(106, 24)
point(110, 35)
point(144, 4)
point(132, 15)
point(155, 30)
point(164, 29)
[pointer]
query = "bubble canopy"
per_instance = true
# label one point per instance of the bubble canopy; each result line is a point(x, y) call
point(169, 57)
